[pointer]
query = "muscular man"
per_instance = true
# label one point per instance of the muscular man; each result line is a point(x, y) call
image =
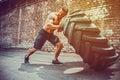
point(46, 33)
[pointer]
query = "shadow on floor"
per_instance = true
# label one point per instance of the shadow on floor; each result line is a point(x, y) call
point(57, 72)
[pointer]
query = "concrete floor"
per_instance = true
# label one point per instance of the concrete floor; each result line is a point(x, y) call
point(40, 67)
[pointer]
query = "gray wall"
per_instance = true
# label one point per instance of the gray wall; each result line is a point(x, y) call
point(19, 27)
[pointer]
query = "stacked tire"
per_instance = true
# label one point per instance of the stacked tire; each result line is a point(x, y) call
point(88, 42)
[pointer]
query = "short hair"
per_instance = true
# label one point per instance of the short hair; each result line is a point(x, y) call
point(65, 9)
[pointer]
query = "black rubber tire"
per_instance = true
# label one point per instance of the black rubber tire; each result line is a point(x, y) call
point(88, 42)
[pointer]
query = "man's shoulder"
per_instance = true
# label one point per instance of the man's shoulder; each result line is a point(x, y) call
point(52, 13)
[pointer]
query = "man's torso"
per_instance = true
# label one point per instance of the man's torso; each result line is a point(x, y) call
point(53, 19)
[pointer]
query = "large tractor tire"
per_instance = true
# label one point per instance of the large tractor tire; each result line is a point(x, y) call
point(88, 42)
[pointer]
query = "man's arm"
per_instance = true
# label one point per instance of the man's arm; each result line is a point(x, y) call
point(53, 26)
point(50, 24)
point(58, 27)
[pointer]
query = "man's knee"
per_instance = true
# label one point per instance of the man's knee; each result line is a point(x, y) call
point(60, 45)
point(32, 50)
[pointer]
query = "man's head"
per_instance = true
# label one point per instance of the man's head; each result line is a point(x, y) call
point(62, 12)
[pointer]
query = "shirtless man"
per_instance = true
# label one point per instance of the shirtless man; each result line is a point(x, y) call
point(46, 33)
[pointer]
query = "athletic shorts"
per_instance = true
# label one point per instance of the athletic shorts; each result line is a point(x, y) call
point(42, 37)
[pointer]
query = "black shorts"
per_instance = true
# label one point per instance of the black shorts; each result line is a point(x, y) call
point(42, 37)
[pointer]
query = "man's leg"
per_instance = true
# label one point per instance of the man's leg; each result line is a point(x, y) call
point(57, 53)
point(56, 42)
point(29, 52)
point(39, 42)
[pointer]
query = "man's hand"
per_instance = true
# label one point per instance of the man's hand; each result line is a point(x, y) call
point(60, 29)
